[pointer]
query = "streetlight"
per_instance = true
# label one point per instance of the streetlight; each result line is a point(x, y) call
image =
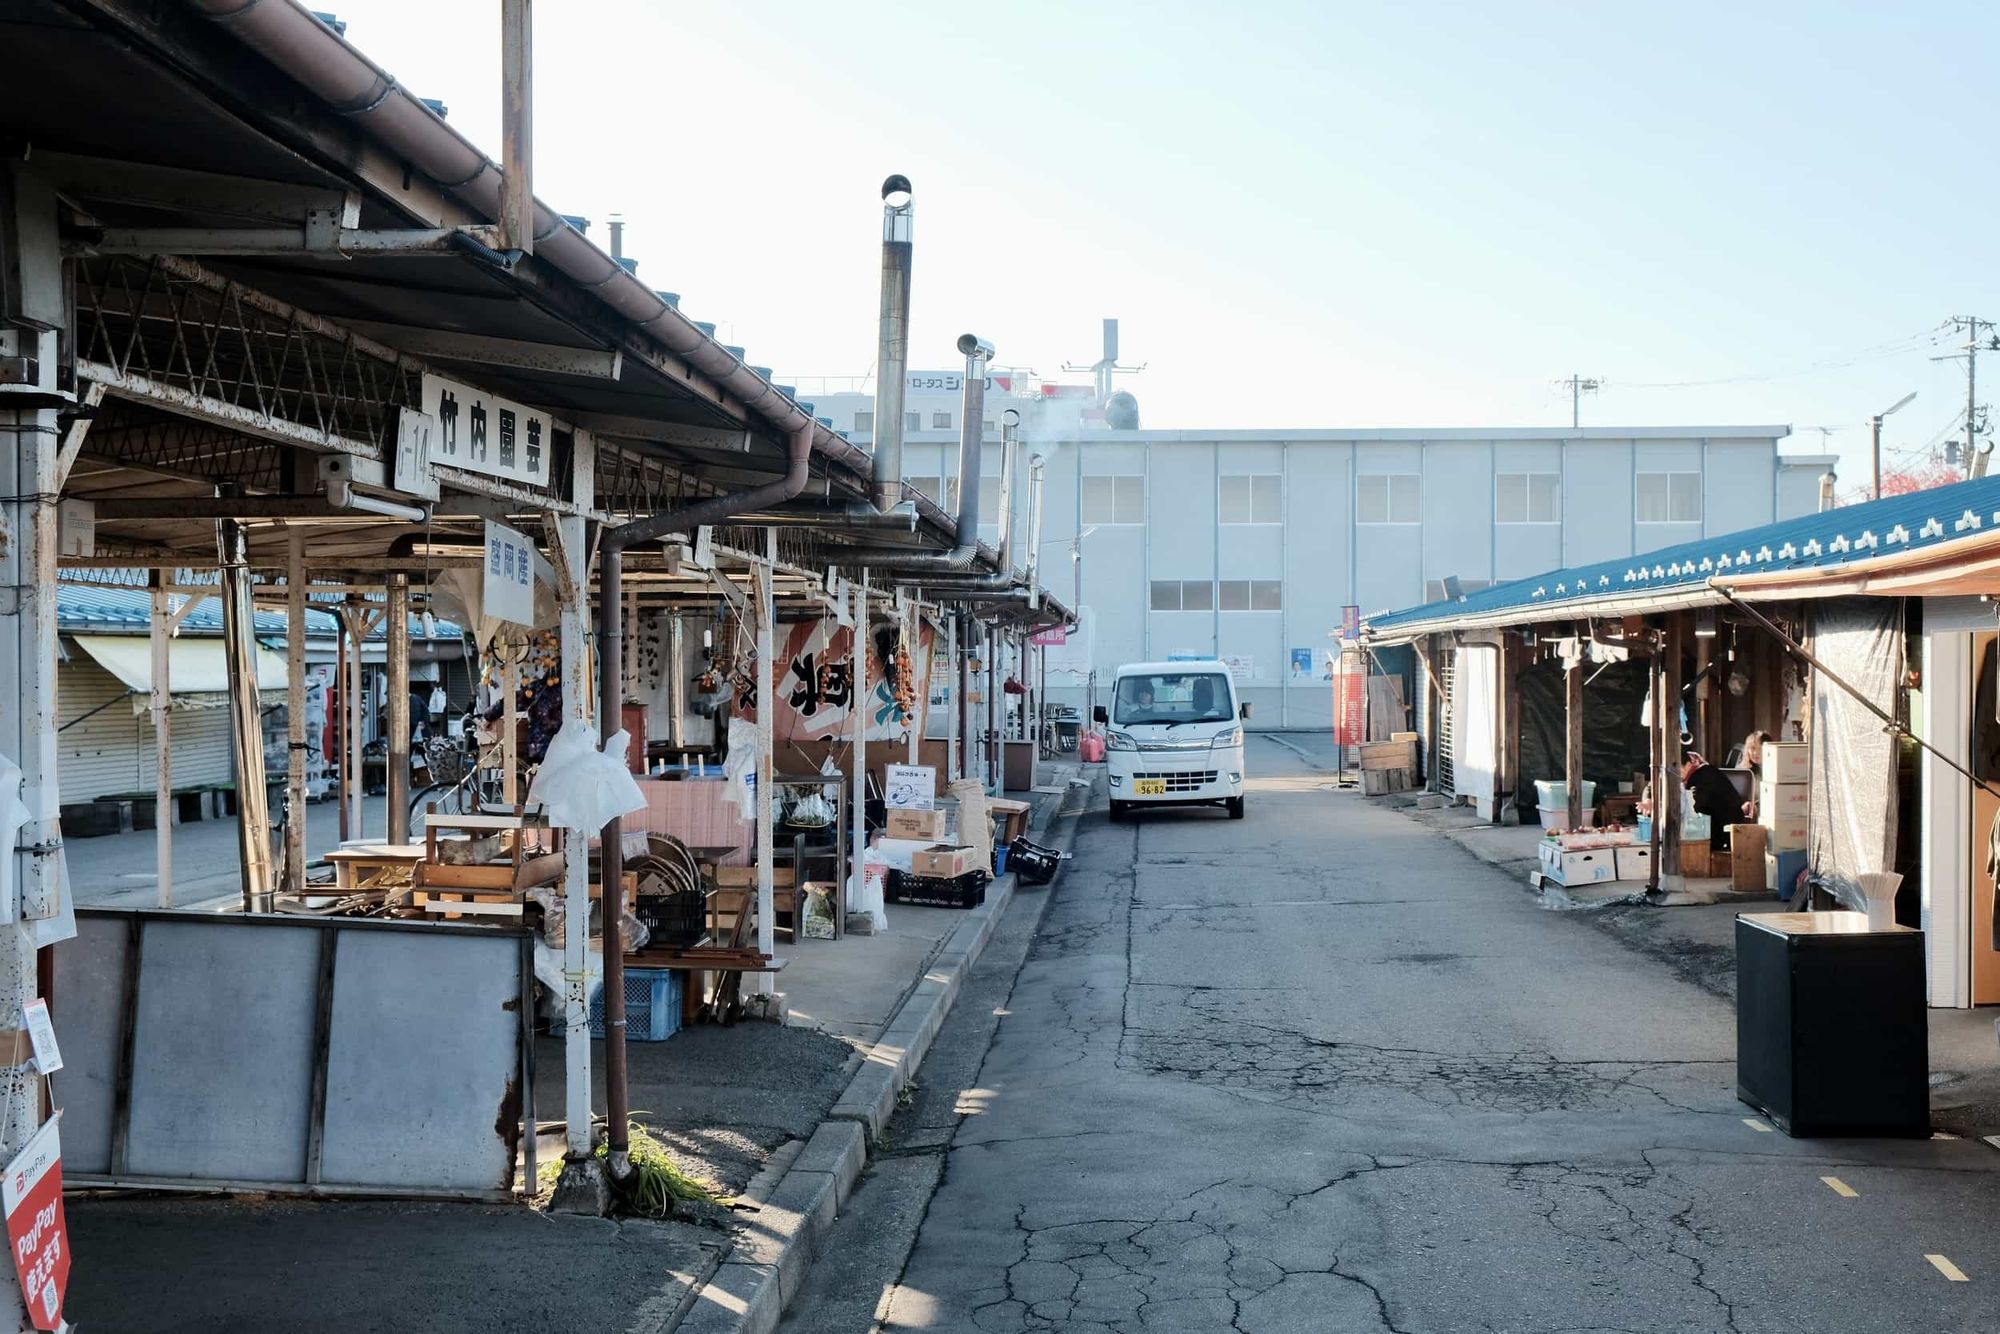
point(1875, 428)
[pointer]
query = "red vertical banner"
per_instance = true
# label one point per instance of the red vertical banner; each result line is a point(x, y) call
point(36, 1230)
point(1350, 681)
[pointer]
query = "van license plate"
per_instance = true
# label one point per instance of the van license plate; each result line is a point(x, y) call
point(1150, 787)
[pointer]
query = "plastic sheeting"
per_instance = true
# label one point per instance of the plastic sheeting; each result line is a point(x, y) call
point(1853, 774)
point(1615, 741)
point(1472, 724)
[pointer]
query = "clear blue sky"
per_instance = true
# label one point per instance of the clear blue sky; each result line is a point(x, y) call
point(1303, 214)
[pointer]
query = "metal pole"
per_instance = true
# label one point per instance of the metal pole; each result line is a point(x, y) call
point(909, 632)
point(295, 713)
point(357, 787)
point(993, 711)
point(517, 126)
point(767, 777)
point(340, 689)
point(964, 655)
point(1573, 735)
point(163, 741)
point(857, 722)
point(396, 631)
point(253, 826)
point(30, 442)
point(577, 699)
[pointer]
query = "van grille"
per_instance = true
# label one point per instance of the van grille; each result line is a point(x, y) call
point(1184, 782)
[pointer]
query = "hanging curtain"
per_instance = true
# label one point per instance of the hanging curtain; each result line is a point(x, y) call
point(1853, 775)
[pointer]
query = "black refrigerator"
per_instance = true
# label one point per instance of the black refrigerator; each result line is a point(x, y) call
point(1831, 1028)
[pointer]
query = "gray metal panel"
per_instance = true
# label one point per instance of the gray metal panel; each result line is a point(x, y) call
point(423, 1069)
point(88, 1009)
point(223, 1050)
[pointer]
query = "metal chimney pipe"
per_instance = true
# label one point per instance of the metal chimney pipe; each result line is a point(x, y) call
point(1034, 528)
point(1010, 431)
point(972, 435)
point(892, 351)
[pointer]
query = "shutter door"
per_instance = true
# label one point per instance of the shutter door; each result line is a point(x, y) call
point(111, 749)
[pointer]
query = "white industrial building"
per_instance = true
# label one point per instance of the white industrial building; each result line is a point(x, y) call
point(1247, 544)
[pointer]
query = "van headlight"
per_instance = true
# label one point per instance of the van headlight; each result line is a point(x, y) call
point(1233, 737)
point(1119, 741)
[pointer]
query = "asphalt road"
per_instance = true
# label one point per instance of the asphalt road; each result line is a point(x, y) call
point(1320, 1069)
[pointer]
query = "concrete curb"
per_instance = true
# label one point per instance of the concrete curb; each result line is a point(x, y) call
point(748, 1293)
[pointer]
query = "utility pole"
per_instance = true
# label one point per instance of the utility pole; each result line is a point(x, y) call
point(1973, 327)
point(1578, 387)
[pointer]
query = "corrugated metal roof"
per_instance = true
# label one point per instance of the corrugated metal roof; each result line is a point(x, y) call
point(89, 608)
point(1825, 540)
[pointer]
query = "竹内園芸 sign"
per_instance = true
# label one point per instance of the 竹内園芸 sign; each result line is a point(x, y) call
point(36, 1230)
point(483, 433)
point(509, 589)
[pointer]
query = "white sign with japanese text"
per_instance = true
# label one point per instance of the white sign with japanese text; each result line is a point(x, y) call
point(509, 591)
point(483, 433)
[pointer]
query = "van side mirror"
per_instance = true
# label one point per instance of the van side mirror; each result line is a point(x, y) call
point(1243, 712)
point(1098, 715)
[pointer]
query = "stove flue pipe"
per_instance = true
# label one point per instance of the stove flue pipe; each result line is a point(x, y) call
point(1034, 562)
point(892, 349)
point(611, 701)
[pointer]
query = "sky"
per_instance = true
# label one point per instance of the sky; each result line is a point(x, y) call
point(1303, 214)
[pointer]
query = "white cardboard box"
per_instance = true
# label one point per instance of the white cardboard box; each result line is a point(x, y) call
point(1588, 867)
point(1784, 762)
point(1635, 863)
point(1783, 800)
point(1788, 833)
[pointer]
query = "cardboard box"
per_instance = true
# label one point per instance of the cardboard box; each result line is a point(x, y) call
point(1588, 867)
point(1784, 762)
point(927, 826)
point(942, 862)
point(1635, 863)
point(1781, 800)
point(1789, 833)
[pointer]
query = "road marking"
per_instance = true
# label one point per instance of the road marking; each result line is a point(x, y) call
point(1841, 1188)
point(1991, 1140)
point(1756, 1125)
point(1948, 1269)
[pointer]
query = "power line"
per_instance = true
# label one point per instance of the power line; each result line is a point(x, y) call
point(1877, 352)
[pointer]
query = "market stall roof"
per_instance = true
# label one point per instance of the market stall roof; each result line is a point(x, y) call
point(103, 609)
point(202, 147)
point(194, 666)
point(1816, 555)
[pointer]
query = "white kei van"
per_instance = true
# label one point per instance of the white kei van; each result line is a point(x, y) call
point(1174, 737)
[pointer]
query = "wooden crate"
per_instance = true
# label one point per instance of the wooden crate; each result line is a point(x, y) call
point(1388, 755)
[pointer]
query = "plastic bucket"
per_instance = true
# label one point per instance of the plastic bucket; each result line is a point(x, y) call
point(1553, 794)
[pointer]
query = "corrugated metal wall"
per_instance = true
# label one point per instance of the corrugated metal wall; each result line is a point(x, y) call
point(112, 750)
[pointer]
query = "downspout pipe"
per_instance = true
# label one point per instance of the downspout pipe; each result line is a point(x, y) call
point(611, 700)
point(892, 348)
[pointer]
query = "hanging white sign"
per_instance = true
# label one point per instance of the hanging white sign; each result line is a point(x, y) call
point(509, 588)
point(483, 433)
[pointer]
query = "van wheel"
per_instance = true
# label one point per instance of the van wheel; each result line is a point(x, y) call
point(1235, 805)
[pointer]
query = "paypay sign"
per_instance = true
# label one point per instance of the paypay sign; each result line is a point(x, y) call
point(36, 1230)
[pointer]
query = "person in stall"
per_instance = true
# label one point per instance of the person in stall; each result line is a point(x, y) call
point(1714, 796)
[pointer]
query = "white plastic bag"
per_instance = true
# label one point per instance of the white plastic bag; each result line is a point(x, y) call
point(740, 768)
point(581, 785)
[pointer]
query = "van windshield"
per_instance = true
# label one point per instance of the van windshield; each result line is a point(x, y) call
point(1173, 697)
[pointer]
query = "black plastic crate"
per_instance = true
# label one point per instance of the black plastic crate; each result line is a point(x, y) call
point(965, 891)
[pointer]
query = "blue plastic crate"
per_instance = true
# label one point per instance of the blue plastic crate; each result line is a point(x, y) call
point(652, 1005)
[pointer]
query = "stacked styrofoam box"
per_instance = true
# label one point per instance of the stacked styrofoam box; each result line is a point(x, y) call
point(1784, 802)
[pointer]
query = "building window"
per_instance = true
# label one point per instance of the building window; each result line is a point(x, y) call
point(1667, 497)
point(931, 487)
point(913, 421)
point(987, 426)
point(864, 421)
point(1388, 497)
point(1527, 497)
point(989, 500)
point(1251, 498)
point(1114, 500)
point(1251, 595)
point(1183, 595)
point(940, 421)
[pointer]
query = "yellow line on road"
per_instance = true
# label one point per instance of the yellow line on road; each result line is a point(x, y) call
point(1948, 1269)
point(1756, 1125)
point(1841, 1188)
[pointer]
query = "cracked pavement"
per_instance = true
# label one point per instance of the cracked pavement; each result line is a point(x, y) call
point(1321, 1069)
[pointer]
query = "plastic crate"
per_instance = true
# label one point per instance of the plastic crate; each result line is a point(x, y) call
point(965, 891)
point(652, 1005)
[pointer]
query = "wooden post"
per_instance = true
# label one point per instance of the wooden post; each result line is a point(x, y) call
point(295, 712)
point(1670, 774)
point(857, 724)
point(1655, 752)
point(340, 689)
point(517, 123)
point(253, 826)
point(396, 634)
point(357, 788)
point(510, 719)
point(163, 741)
point(1573, 735)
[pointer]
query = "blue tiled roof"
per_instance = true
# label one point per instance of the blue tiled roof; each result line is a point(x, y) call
point(102, 609)
point(1825, 540)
